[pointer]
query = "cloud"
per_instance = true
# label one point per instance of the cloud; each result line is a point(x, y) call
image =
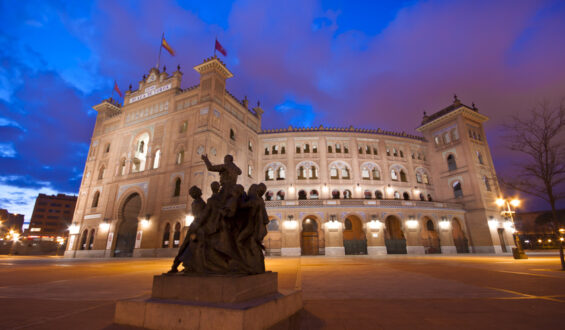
point(7, 150)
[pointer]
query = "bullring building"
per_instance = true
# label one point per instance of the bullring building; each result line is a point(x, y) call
point(331, 191)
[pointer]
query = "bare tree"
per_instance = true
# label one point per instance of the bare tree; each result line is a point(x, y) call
point(541, 137)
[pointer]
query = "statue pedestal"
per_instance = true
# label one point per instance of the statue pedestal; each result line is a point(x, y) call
point(211, 302)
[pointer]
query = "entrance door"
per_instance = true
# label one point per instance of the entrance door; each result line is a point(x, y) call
point(309, 237)
point(394, 237)
point(459, 239)
point(502, 240)
point(354, 240)
point(125, 241)
point(430, 237)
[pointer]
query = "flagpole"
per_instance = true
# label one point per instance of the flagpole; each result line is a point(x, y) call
point(215, 46)
point(112, 98)
point(160, 48)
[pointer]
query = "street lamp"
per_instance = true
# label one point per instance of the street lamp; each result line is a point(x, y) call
point(506, 211)
point(561, 257)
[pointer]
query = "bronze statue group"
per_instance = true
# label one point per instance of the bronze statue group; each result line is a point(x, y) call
point(228, 229)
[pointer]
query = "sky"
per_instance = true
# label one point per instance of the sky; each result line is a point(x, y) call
point(370, 64)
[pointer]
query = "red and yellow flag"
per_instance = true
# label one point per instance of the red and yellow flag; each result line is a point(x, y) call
point(165, 45)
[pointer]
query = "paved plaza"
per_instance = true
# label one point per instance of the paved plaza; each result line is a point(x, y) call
point(358, 292)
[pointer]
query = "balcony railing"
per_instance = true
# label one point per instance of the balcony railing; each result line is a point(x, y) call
point(362, 202)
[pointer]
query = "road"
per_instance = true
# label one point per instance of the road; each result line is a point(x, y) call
point(357, 292)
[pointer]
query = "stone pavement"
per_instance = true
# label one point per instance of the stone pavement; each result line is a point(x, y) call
point(357, 292)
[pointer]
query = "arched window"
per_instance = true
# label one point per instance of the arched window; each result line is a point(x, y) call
point(141, 148)
point(365, 174)
point(480, 158)
point(280, 195)
point(446, 138)
point(430, 198)
point(280, 173)
point(451, 165)
point(425, 178)
point(375, 151)
point(269, 196)
point(266, 150)
point(283, 150)
point(301, 173)
point(378, 194)
point(393, 175)
point(403, 176)
point(183, 127)
point(335, 194)
point(347, 224)
point(430, 225)
point(298, 148)
point(314, 194)
point(418, 177)
point(334, 173)
point(376, 174)
point(176, 236)
point(273, 225)
point(95, 199)
point(457, 191)
point(302, 194)
point(394, 152)
point(180, 157)
point(91, 239)
point(338, 148)
point(123, 166)
point(487, 183)
point(422, 198)
point(249, 146)
point(345, 173)
point(360, 149)
point(176, 192)
point(406, 196)
point(269, 174)
point(329, 149)
point(347, 194)
point(368, 194)
point(107, 148)
point(157, 159)
point(166, 236)
point(401, 154)
point(232, 134)
point(396, 195)
point(101, 173)
point(455, 135)
point(313, 172)
point(83, 239)
point(275, 149)
point(367, 150)
point(306, 147)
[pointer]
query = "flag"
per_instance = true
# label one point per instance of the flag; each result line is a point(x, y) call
point(117, 89)
point(220, 48)
point(165, 45)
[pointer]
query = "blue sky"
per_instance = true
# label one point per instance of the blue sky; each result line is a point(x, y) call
point(369, 64)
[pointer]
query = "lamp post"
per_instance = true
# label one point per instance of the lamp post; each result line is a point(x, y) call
point(561, 231)
point(506, 211)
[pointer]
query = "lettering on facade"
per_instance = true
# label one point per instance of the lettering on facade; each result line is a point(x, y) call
point(174, 207)
point(150, 91)
point(92, 216)
point(142, 185)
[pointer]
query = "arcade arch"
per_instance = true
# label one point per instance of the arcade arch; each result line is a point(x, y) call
point(127, 228)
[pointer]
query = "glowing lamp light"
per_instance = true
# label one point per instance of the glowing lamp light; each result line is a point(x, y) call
point(15, 237)
point(493, 223)
point(389, 190)
point(188, 220)
point(416, 191)
point(104, 226)
point(291, 189)
point(444, 224)
point(562, 230)
point(290, 224)
point(333, 224)
point(561, 239)
point(375, 224)
point(74, 229)
point(527, 241)
point(412, 224)
point(515, 202)
point(325, 189)
point(375, 235)
point(539, 241)
point(500, 202)
point(145, 223)
point(549, 240)
point(358, 188)
point(508, 225)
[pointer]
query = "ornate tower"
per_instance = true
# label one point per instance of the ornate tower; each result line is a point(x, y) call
point(463, 172)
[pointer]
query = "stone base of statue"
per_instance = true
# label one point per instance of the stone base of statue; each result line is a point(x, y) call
point(183, 301)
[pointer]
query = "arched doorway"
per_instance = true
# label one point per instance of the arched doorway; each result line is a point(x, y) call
point(354, 239)
point(394, 237)
point(125, 241)
point(430, 237)
point(459, 239)
point(309, 240)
